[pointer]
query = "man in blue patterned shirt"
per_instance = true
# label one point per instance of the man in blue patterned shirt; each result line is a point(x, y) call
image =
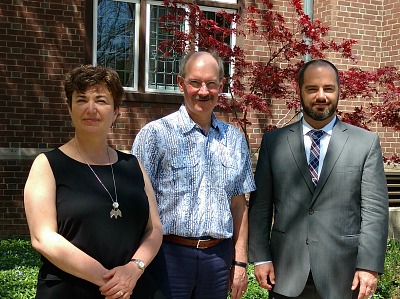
point(200, 169)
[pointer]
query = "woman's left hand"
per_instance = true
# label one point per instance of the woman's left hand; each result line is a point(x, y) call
point(121, 281)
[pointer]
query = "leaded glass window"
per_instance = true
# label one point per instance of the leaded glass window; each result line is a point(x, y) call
point(162, 71)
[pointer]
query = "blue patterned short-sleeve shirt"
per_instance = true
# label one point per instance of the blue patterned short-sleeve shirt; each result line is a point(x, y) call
point(194, 175)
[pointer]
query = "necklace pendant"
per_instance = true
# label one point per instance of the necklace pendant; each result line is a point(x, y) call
point(115, 213)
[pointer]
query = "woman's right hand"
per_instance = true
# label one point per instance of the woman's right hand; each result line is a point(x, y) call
point(121, 281)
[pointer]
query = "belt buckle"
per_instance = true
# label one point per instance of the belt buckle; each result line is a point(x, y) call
point(198, 243)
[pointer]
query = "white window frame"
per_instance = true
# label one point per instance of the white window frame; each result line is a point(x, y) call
point(226, 1)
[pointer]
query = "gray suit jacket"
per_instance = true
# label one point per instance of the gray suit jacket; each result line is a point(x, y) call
point(332, 230)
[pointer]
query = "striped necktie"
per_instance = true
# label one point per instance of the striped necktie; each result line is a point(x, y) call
point(314, 154)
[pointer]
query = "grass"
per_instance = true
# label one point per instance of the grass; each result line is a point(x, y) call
point(19, 265)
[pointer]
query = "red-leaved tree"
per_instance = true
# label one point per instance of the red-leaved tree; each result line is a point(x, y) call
point(252, 85)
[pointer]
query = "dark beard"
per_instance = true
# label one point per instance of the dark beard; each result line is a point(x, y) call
point(317, 115)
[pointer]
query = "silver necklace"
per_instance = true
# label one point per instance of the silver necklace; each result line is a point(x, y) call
point(115, 212)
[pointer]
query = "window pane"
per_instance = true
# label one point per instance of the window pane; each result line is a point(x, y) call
point(162, 71)
point(116, 38)
point(212, 15)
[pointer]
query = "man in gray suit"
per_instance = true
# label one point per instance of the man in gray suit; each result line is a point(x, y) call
point(321, 234)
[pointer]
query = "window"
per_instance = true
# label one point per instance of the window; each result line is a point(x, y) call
point(211, 14)
point(126, 37)
point(162, 71)
point(117, 39)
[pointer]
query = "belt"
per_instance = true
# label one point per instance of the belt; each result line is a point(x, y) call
point(198, 243)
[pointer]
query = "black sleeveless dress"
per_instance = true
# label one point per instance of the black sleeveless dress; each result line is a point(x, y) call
point(83, 218)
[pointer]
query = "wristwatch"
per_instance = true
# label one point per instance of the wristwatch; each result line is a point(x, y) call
point(240, 264)
point(139, 263)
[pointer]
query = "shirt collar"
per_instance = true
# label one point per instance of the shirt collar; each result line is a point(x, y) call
point(188, 124)
point(327, 129)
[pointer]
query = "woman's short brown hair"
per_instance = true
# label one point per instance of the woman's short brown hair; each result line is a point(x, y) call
point(83, 77)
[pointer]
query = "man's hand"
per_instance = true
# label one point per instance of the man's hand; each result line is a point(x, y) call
point(367, 280)
point(265, 275)
point(238, 282)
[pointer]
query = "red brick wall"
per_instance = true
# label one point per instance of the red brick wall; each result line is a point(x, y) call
point(375, 24)
point(12, 180)
point(391, 33)
point(41, 40)
point(391, 56)
point(257, 50)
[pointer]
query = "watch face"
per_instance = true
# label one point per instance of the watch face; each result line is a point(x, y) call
point(140, 263)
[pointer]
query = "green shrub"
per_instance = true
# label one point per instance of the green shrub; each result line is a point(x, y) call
point(19, 265)
point(389, 281)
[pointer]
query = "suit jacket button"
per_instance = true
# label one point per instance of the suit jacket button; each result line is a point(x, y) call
point(310, 211)
point(307, 241)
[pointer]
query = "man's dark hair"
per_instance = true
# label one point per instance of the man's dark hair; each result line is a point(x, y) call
point(300, 77)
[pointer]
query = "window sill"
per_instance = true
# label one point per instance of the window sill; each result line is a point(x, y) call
point(171, 98)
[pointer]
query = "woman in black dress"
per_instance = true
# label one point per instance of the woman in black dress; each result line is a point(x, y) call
point(91, 210)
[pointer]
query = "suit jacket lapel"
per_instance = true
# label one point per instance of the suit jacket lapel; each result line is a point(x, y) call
point(296, 145)
point(335, 148)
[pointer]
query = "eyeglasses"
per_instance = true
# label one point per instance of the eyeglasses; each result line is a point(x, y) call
point(210, 85)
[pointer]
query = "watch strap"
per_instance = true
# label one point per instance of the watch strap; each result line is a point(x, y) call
point(240, 264)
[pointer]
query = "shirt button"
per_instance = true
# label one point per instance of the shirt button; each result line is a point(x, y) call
point(310, 211)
